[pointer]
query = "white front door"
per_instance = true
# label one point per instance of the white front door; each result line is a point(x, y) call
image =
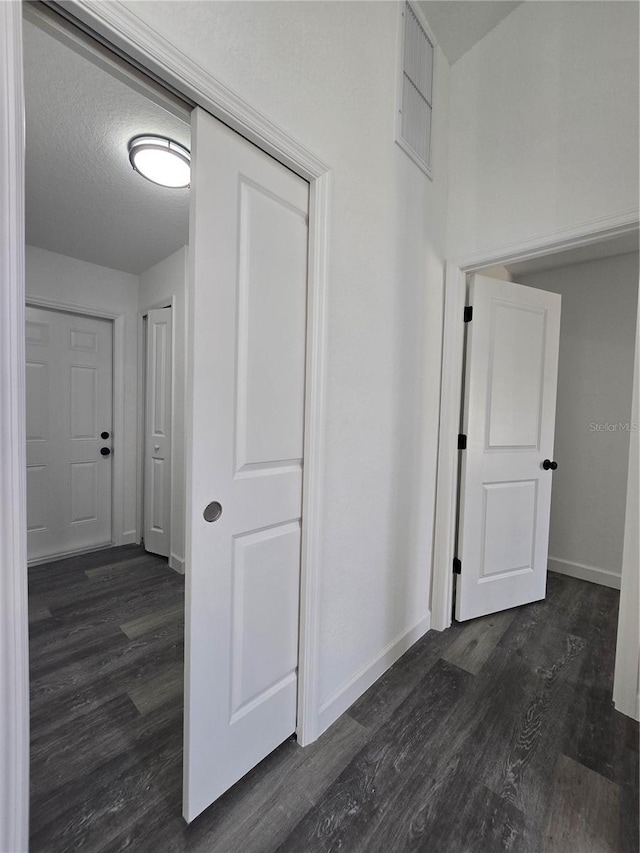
point(69, 442)
point(157, 434)
point(249, 220)
point(509, 421)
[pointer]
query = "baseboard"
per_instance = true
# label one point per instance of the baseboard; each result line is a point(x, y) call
point(129, 537)
point(177, 564)
point(343, 698)
point(63, 555)
point(604, 577)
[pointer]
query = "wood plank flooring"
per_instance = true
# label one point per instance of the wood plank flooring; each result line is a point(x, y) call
point(496, 735)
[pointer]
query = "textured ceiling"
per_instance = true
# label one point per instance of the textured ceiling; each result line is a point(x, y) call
point(458, 24)
point(83, 199)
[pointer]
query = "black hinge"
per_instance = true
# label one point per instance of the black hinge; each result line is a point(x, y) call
point(457, 566)
point(468, 313)
point(462, 441)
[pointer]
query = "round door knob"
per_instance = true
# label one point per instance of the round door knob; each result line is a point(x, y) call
point(104, 435)
point(156, 447)
point(105, 451)
point(548, 464)
point(212, 511)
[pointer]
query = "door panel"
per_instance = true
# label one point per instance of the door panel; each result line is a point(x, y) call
point(157, 465)
point(68, 404)
point(248, 303)
point(270, 378)
point(509, 415)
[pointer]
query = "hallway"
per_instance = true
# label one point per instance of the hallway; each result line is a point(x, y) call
point(498, 734)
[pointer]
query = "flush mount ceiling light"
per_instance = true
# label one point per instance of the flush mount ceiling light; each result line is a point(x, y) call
point(161, 160)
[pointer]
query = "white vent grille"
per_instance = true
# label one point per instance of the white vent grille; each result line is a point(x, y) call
point(417, 90)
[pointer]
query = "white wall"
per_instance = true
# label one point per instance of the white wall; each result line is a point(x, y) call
point(161, 285)
point(326, 73)
point(595, 381)
point(544, 125)
point(86, 286)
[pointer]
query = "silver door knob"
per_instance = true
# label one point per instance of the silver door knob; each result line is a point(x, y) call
point(156, 447)
point(212, 511)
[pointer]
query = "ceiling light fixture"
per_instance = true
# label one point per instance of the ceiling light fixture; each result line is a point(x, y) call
point(160, 160)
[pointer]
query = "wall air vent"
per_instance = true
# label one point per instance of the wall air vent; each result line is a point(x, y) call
point(413, 131)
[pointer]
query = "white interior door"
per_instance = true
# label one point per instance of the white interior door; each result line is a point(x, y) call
point(249, 221)
point(69, 425)
point(157, 436)
point(510, 404)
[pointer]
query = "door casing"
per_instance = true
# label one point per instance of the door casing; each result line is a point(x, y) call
point(456, 272)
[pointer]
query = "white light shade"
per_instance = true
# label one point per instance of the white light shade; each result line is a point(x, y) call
point(161, 160)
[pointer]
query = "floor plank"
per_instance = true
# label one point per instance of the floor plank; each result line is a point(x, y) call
point(472, 648)
point(585, 811)
point(155, 692)
point(150, 621)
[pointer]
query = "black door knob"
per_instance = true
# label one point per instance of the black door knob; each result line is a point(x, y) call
point(104, 435)
point(548, 464)
point(105, 451)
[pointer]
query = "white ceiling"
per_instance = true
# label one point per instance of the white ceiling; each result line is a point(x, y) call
point(458, 24)
point(83, 199)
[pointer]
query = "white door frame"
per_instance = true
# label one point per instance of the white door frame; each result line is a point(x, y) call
point(451, 386)
point(117, 403)
point(14, 652)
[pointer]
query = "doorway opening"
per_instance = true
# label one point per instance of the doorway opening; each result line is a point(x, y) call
point(161, 61)
point(106, 618)
point(576, 249)
point(268, 412)
point(621, 239)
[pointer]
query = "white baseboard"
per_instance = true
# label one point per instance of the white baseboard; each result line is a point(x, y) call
point(129, 537)
point(177, 564)
point(584, 573)
point(63, 555)
point(363, 679)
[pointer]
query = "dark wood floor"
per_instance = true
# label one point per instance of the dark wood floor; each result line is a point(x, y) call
point(495, 735)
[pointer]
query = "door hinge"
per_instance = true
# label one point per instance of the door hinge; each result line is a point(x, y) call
point(462, 441)
point(468, 313)
point(457, 566)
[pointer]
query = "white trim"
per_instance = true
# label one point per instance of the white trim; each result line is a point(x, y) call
point(117, 437)
point(313, 476)
point(64, 555)
point(141, 362)
point(124, 29)
point(589, 232)
point(447, 468)
point(14, 653)
point(346, 695)
point(626, 678)
point(176, 563)
point(593, 574)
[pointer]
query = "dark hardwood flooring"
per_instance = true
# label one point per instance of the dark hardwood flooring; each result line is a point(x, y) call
point(496, 735)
